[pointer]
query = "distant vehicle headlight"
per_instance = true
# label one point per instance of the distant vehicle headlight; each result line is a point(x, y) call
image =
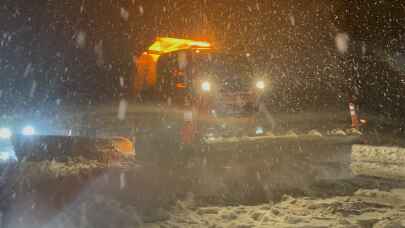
point(5, 156)
point(260, 85)
point(5, 133)
point(206, 86)
point(28, 130)
point(259, 130)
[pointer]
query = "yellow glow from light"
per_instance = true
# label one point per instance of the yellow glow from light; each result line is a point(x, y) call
point(206, 86)
point(166, 45)
point(260, 84)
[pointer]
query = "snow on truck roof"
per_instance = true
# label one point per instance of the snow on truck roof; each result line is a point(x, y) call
point(164, 45)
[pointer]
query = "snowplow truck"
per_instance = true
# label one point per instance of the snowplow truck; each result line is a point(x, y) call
point(210, 101)
point(189, 97)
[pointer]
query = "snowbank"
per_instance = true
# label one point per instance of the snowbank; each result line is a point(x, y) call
point(364, 208)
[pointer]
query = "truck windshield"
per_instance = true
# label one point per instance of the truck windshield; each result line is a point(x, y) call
point(232, 72)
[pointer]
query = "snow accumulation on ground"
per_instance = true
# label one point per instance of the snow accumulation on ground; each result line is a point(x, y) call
point(365, 208)
point(97, 194)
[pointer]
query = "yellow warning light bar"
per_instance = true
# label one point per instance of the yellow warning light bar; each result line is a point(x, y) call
point(164, 45)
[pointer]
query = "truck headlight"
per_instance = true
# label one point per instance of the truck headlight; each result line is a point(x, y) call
point(28, 130)
point(5, 133)
point(260, 85)
point(206, 86)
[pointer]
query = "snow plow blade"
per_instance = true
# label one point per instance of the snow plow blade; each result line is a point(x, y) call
point(60, 179)
point(63, 148)
point(378, 161)
point(253, 169)
point(248, 148)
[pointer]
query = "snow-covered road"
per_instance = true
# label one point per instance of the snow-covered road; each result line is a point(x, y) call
point(364, 208)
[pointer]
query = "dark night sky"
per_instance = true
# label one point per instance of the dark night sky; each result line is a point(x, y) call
point(77, 50)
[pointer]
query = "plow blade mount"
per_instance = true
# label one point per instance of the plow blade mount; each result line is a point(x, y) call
point(378, 161)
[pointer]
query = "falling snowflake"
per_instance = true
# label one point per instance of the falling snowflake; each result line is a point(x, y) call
point(28, 70)
point(342, 42)
point(363, 48)
point(81, 39)
point(98, 50)
point(122, 109)
point(124, 14)
point(292, 20)
point(122, 83)
point(33, 88)
point(123, 182)
point(141, 11)
point(82, 7)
